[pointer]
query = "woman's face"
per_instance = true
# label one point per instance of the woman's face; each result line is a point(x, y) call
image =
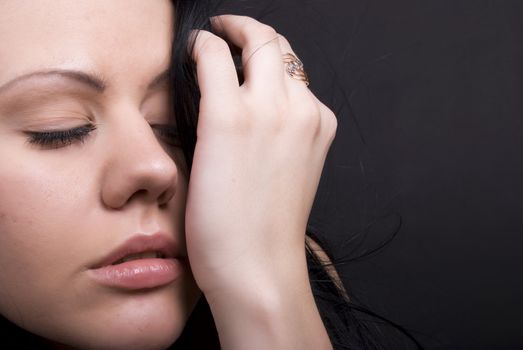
point(68, 201)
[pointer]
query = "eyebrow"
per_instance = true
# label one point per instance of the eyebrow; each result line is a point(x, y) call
point(92, 81)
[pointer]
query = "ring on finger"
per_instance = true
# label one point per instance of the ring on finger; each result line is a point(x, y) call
point(294, 67)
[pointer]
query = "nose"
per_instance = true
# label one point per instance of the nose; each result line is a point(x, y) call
point(137, 167)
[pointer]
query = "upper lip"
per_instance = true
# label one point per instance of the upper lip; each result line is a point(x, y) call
point(141, 243)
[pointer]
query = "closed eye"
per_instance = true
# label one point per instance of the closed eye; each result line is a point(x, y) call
point(59, 138)
point(168, 134)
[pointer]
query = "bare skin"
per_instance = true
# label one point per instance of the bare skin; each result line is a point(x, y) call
point(259, 158)
point(240, 218)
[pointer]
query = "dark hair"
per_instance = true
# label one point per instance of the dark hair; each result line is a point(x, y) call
point(349, 325)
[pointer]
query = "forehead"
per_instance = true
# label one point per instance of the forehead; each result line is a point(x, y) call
point(116, 38)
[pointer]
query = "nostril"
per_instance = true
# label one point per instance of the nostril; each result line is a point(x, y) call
point(138, 194)
point(145, 176)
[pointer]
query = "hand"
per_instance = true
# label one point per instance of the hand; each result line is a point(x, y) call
point(257, 163)
point(259, 155)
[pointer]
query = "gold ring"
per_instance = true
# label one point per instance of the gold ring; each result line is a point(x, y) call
point(294, 67)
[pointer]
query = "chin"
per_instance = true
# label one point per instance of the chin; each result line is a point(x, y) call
point(144, 320)
point(147, 330)
point(142, 340)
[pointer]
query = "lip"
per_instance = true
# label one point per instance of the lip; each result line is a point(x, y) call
point(141, 273)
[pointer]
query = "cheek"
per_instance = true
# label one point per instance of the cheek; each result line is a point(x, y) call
point(36, 218)
point(52, 224)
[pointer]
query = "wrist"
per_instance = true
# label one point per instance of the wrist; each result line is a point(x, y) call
point(277, 312)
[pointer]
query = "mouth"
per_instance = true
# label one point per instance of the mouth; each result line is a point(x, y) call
point(142, 262)
point(137, 256)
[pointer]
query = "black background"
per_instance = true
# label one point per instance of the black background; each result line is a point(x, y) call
point(428, 97)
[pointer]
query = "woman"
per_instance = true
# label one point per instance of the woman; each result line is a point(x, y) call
point(105, 242)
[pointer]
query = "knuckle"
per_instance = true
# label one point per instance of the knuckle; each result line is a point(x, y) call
point(284, 42)
point(313, 108)
point(265, 31)
point(256, 28)
point(208, 43)
point(330, 124)
point(307, 118)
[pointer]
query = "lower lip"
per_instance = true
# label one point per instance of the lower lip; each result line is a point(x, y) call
point(139, 274)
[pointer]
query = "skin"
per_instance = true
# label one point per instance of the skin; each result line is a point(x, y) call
point(62, 209)
point(241, 218)
point(260, 154)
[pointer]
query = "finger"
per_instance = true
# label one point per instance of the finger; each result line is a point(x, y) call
point(285, 47)
point(215, 69)
point(261, 53)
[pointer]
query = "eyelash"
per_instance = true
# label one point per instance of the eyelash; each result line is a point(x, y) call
point(60, 138)
point(169, 133)
point(63, 138)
